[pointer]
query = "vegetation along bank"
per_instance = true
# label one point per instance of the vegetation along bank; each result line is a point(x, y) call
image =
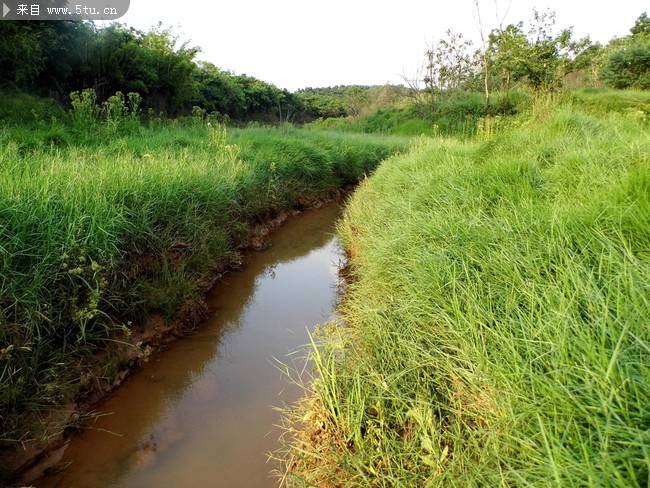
point(106, 220)
point(496, 321)
point(496, 317)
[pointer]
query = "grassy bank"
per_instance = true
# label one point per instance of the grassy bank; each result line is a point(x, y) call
point(104, 222)
point(456, 113)
point(497, 316)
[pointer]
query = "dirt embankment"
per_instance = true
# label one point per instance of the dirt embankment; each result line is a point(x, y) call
point(30, 459)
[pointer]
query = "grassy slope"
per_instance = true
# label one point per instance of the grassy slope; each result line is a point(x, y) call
point(455, 114)
point(498, 315)
point(99, 226)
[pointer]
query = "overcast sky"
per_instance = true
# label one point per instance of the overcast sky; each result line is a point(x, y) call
point(299, 43)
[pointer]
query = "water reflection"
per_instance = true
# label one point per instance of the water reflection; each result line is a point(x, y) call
point(200, 414)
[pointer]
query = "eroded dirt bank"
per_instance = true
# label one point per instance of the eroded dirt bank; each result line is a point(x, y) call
point(144, 344)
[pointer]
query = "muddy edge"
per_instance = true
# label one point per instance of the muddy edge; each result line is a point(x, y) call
point(30, 460)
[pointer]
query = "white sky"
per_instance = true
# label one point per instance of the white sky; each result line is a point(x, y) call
point(299, 43)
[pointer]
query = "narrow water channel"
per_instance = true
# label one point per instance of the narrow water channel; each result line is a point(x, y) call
point(200, 414)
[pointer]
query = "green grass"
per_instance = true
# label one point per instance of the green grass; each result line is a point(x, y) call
point(497, 317)
point(21, 108)
point(605, 100)
point(100, 226)
point(455, 114)
point(498, 306)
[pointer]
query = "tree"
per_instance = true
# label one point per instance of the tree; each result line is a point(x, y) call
point(173, 68)
point(627, 60)
point(355, 100)
point(217, 91)
point(21, 54)
point(547, 54)
point(508, 48)
point(588, 64)
point(57, 58)
point(449, 65)
point(539, 57)
point(629, 67)
point(642, 25)
point(323, 102)
point(484, 55)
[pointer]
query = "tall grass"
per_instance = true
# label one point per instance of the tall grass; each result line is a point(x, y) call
point(100, 226)
point(605, 100)
point(497, 316)
point(455, 113)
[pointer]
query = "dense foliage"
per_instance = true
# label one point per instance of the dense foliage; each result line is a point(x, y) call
point(536, 55)
point(627, 62)
point(56, 58)
point(540, 56)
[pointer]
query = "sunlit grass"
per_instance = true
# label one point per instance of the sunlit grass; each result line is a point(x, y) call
point(497, 320)
point(99, 228)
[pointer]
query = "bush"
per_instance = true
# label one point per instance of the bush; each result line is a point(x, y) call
point(117, 114)
point(629, 66)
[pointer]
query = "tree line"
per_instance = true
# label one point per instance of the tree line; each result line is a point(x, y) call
point(57, 59)
point(54, 59)
point(536, 55)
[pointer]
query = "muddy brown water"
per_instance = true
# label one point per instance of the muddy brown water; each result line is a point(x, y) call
point(201, 412)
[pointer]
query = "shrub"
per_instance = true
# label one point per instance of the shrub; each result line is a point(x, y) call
point(629, 66)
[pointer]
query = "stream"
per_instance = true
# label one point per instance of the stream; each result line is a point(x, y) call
point(201, 412)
